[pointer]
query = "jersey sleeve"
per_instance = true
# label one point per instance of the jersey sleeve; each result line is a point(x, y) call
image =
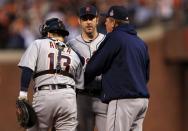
point(79, 77)
point(29, 58)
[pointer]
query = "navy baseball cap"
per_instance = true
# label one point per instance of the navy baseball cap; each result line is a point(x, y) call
point(88, 10)
point(117, 12)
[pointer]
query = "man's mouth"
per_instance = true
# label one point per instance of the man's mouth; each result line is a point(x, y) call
point(89, 27)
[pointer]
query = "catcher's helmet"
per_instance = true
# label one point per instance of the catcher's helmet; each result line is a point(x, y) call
point(53, 25)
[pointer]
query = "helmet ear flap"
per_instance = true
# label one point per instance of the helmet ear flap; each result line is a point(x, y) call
point(43, 30)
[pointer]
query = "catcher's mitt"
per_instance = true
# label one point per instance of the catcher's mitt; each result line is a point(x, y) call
point(26, 115)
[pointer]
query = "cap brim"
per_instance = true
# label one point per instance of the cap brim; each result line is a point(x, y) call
point(87, 14)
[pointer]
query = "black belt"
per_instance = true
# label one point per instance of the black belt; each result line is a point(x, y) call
point(53, 87)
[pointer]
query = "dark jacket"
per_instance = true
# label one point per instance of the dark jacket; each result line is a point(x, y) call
point(123, 61)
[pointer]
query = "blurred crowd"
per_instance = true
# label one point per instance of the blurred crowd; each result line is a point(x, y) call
point(20, 20)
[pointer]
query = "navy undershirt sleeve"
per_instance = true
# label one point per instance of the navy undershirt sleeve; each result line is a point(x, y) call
point(25, 78)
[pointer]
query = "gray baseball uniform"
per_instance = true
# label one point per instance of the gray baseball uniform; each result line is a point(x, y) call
point(54, 100)
point(91, 111)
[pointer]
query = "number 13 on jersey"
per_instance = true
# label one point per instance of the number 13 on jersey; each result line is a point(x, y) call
point(65, 62)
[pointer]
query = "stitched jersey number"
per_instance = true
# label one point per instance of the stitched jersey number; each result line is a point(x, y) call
point(66, 64)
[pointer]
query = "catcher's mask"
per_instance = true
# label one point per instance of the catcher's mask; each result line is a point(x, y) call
point(53, 25)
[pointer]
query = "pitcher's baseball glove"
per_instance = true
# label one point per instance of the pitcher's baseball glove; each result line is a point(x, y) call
point(26, 115)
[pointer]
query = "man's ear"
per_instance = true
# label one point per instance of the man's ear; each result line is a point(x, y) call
point(49, 34)
point(97, 20)
point(79, 21)
point(115, 23)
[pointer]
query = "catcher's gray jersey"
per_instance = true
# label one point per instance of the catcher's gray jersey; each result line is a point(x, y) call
point(86, 49)
point(41, 56)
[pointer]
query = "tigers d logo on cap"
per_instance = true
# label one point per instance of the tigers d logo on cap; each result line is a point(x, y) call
point(88, 10)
